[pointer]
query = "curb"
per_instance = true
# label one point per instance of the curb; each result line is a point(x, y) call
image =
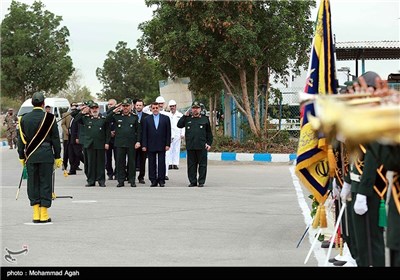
point(229, 156)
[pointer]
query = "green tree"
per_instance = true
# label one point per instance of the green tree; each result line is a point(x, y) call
point(34, 51)
point(242, 43)
point(74, 91)
point(126, 73)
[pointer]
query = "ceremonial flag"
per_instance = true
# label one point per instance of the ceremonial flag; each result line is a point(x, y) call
point(312, 167)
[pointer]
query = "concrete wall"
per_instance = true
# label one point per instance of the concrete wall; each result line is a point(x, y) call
point(178, 90)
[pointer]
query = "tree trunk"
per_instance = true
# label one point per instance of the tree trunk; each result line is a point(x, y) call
point(246, 102)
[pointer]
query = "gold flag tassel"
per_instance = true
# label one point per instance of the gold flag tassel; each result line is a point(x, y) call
point(316, 218)
point(320, 217)
point(65, 173)
point(331, 162)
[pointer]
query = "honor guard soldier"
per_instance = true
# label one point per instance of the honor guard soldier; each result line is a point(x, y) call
point(39, 148)
point(199, 139)
point(389, 155)
point(96, 138)
point(127, 139)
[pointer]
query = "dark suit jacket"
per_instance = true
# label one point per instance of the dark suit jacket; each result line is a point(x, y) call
point(154, 139)
point(144, 116)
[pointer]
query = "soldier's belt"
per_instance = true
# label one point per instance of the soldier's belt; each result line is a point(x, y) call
point(355, 177)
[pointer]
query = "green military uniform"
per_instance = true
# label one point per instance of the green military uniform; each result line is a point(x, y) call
point(39, 151)
point(389, 155)
point(197, 135)
point(97, 134)
point(368, 178)
point(11, 121)
point(342, 175)
point(127, 134)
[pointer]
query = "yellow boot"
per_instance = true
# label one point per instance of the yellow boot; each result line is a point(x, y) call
point(44, 216)
point(36, 213)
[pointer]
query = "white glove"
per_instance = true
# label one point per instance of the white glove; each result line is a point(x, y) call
point(360, 206)
point(345, 194)
point(335, 189)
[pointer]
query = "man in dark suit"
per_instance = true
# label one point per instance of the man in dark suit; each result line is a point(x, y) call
point(111, 172)
point(140, 154)
point(156, 141)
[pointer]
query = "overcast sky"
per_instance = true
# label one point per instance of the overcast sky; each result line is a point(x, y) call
point(97, 25)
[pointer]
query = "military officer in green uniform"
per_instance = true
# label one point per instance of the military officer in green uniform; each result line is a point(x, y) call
point(199, 139)
point(95, 140)
point(389, 156)
point(368, 189)
point(39, 148)
point(127, 140)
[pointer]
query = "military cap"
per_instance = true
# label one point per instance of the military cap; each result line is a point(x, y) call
point(10, 109)
point(38, 97)
point(126, 101)
point(94, 104)
point(89, 102)
point(196, 104)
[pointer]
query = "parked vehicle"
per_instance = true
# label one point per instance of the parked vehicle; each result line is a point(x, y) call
point(58, 107)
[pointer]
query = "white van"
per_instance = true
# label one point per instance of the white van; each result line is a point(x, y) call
point(58, 107)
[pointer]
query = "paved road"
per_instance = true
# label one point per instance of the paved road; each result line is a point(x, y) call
point(246, 215)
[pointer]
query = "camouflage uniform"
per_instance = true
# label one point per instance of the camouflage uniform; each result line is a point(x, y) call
point(11, 121)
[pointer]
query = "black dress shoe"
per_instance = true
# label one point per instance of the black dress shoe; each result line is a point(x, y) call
point(153, 185)
point(170, 167)
point(325, 244)
point(102, 184)
point(141, 181)
point(192, 185)
point(120, 185)
point(35, 221)
point(133, 185)
point(162, 185)
point(201, 185)
point(71, 173)
point(79, 169)
point(45, 221)
point(166, 178)
point(89, 185)
point(175, 166)
point(339, 263)
point(110, 178)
